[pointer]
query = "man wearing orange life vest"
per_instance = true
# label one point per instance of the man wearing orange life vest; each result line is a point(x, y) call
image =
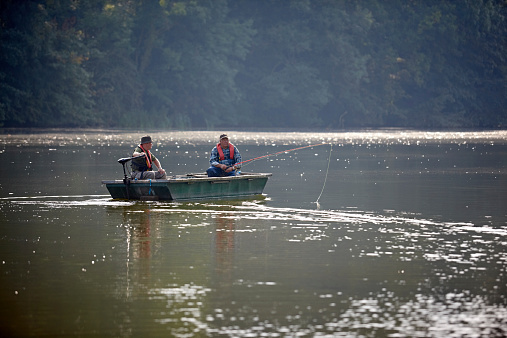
point(224, 159)
point(142, 164)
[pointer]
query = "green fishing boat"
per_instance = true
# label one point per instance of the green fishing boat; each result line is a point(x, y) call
point(188, 187)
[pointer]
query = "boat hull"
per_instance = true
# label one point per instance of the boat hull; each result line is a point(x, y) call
point(188, 187)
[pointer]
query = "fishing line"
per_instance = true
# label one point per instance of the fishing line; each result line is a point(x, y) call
point(325, 179)
point(299, 148)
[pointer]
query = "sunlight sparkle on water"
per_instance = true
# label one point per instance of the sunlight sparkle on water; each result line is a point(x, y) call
point(266, 138)
point(408, 239)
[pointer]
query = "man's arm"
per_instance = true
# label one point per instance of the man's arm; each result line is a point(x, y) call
point(159, 166)
point(138, 152)
point(213, 159)
point(237, 158)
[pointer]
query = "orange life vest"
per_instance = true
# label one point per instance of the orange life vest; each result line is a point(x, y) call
point(149, 161)
point(221, 153)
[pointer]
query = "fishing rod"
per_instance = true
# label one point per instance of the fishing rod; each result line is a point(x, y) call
point(299, 148)
point(281, 152)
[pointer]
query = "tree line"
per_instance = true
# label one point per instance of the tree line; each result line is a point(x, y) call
point(196, 64)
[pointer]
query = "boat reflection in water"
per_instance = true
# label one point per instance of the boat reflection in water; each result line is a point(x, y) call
point(224, 247)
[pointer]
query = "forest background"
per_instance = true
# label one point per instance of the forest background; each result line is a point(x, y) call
point(207, 64)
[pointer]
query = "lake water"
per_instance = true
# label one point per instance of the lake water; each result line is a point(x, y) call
point(408, 238)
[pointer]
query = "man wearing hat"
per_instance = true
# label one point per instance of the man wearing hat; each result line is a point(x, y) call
point(224, 159)
point(142, 164)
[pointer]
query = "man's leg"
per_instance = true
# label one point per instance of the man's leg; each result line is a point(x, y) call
point(137, 174)
point(214, 172)
point(146, 175)
point(160, 176)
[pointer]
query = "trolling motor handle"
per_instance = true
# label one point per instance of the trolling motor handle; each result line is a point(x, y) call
point(126, 159)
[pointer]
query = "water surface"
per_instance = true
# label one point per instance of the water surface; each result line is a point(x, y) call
point(408, 238)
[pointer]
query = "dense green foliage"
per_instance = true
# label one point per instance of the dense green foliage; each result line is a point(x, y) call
point(253, 63)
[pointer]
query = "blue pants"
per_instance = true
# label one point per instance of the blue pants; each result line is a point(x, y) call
point(218, 172)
